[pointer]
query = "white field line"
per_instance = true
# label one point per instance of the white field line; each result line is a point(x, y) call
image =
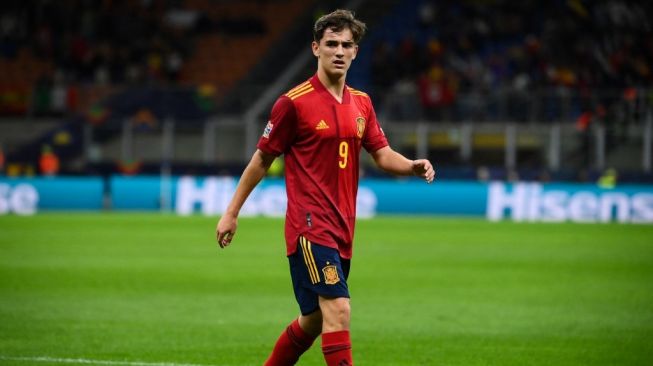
point(94, 362)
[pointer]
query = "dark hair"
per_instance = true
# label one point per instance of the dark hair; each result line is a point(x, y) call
point(337, 21)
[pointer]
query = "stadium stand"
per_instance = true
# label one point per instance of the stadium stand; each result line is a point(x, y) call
point(500, 60)
point(584, 65)
point(99, 71)
point(170, 59)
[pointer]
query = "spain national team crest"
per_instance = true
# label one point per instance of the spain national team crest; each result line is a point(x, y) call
point(331, 275)
point(360, 127)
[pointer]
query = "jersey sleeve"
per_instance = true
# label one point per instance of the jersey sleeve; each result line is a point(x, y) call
point(281, 129)
point(374, 138)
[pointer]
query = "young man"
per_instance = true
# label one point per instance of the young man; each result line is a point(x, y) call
point(320, 127)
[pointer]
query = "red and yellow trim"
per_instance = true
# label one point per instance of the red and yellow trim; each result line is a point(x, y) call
point(353, 91)
point(301, 89)
point(309, 260)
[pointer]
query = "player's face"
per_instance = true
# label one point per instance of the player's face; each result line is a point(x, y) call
point(335, 51)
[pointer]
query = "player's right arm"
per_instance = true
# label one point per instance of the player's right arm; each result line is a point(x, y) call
point(277, 137)
point(254, 172)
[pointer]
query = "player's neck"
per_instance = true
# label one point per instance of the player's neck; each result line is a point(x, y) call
point(335, 85)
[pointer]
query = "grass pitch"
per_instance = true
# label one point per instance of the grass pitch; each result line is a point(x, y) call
point(130, 288)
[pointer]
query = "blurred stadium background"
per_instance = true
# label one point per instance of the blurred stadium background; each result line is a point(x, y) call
point(533, 111)
point(545, 91)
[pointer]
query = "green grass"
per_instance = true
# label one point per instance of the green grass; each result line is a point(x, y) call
point(425, 291)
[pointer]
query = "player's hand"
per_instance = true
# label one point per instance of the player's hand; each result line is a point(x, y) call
point(423, 168)
point(226, 229)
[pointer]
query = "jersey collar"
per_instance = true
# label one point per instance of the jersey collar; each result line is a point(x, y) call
point(317, 84)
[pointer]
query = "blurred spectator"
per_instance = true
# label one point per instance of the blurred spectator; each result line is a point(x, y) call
point(58, 95)
point(608, 180)
point(48, 162)
point(436, 93)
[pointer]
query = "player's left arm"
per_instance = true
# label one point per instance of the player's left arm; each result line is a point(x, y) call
point(395, 163)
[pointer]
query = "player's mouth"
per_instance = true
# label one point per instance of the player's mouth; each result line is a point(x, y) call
point(339, 64)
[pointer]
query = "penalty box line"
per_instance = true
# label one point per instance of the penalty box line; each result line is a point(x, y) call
point(94, 362)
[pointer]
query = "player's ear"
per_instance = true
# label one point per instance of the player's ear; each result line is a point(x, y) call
point(355, 52)
point(316, 49)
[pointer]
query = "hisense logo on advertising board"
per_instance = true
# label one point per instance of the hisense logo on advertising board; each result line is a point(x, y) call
point(536, 202)
point(211, 196)
point(21, 199)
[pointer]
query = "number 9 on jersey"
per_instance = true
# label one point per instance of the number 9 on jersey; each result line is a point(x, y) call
point(343, 151)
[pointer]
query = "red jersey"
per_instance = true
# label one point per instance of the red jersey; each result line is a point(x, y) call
point(321, 140)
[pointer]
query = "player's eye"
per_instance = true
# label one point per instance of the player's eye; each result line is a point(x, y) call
point(347, 44)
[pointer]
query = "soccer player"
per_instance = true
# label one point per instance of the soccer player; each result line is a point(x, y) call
point(320, 127)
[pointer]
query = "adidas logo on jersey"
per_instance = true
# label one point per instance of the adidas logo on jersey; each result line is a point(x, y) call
point(321, 125)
